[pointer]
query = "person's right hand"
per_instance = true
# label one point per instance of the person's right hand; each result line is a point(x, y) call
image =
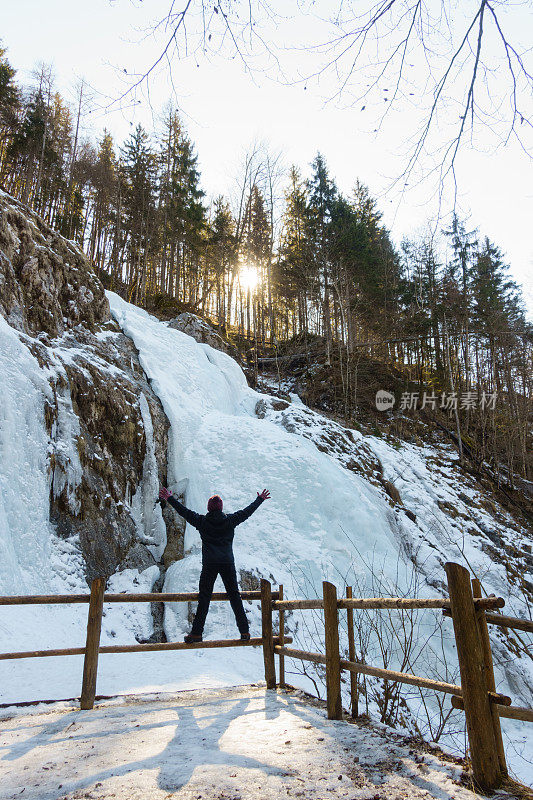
point(264, 495)
point(164, 494)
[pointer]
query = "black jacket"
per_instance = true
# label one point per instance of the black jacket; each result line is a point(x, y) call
point(216, 529)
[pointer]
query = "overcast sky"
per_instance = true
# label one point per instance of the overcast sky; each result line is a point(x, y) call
point(225, 110)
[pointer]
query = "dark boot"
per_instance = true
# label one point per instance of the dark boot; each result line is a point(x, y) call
point(191, 637)
point(245, 637)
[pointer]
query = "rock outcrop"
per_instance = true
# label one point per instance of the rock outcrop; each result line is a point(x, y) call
point(46, 283)
point(204, 333)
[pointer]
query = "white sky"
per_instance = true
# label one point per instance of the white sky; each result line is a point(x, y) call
point(225, 110)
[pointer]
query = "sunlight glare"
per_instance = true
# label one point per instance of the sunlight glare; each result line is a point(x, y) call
point(248, 277)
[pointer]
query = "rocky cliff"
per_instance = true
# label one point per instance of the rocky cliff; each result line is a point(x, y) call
point(106, 428)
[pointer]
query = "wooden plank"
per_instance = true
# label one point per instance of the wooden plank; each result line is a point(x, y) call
point(179, 597)
point(69, 651)
point(331, 637)
point(303, 655)
point(507, 712)
point(483, 750)
point(369, 603)
point(515, 623)
point(486, 603)
point(354, 691)
point(297, 605)
point(123, 597)
point(142, 648)
point(515, 712)
point(281, 640)
point(400, 677)
point(383, 603)
point(392, 603)
point(388, 674)
point(94, 626)
point(268, 638)
point(208, 645)
point(489, 676)
point(406, 603)
point(46, 599)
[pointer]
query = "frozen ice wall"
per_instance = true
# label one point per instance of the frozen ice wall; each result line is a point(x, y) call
point(24, 484)
point(319, 513)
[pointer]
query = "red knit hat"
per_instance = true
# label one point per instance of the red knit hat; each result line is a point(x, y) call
point(214, 503)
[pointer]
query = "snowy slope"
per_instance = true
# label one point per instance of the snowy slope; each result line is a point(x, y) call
point(220, 445)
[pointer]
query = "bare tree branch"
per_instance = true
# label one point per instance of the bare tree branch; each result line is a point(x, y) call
point(441, 54)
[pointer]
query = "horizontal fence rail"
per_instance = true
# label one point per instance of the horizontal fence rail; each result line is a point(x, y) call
point(146, 647)
point(303, 655)
point(408, 604)
point(387, 674)
point(386, 603)
point(508, 711)
point(515, 623)
point(413, 680)
point(123, 597)
point(298, 605)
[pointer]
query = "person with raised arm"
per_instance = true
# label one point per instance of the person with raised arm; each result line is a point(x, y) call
point(216, 531)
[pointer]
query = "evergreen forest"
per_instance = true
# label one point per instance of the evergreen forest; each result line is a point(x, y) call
point(288, 266)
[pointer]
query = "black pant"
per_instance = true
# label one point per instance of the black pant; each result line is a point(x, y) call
point(207, 581)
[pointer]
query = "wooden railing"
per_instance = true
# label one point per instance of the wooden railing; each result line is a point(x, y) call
point(470, 613)
point(92, 649)
point(476, 696)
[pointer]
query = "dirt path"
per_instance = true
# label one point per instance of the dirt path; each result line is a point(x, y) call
point(232, 744)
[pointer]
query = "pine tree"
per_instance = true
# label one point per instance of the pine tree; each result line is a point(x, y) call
point(25, 148)
point(458, 277)
point(322, 193)
point(221, 254)
point(255, 251)
point(181, 212)
point(497, 306)
point(365, 266)
point(422, 297)
point(139, 169)
point(54, 181)
point(295, 272)
point(502, 332)
point(10, 107)
point(104, 179)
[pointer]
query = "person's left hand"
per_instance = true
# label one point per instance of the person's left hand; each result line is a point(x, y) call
point(164, 494)
point(264, 495)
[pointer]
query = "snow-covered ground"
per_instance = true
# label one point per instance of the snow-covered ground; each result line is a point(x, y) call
point(244, 743)
point(329, 518)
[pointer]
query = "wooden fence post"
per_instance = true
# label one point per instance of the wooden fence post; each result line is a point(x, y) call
point(354, 688)
point(267, 635)
point(483, 750)
point(281, 639)
point(333, 661)
point(94, 626)
point(489, 676)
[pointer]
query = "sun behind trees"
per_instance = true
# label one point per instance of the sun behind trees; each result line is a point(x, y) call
point(313, 268)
